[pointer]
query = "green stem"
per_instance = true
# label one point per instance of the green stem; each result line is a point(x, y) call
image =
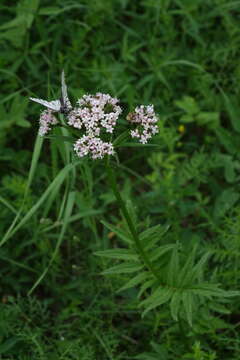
point(131, 226)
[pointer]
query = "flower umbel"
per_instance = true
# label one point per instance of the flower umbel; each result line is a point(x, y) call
point(94, 146)
point(145, 117)
point(46, 120)
point(95, 112)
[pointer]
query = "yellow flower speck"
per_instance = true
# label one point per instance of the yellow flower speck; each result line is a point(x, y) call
point(181, 129)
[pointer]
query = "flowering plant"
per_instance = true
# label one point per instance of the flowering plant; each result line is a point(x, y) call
point(94, 119)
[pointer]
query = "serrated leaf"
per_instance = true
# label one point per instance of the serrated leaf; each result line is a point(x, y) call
point(186, 272)
point(213, 290)
point(157, 253)
point(121, 254)
point(173, 268)
point(175, 304)
point(193, 272)
point(220, 309)
point(152, 235)
point(125, 268)
point(134, 281)
point(132, 211)
point(159, 297)
point(187, 299)
point(146, 285)
point(198, 268)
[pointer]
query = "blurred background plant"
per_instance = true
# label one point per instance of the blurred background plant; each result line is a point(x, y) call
point(183, 57)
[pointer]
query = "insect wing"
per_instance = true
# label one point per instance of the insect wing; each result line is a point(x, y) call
point(65, 100)
point(54, 105)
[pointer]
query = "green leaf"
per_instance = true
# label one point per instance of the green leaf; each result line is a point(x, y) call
point(233, 109)
point(198, 268)
point(208, 118)
point(131, 208)
point(187, 119)
point(12, 23)
point(225, 201)
point(213, 290)
point(227, 140)
point(187, 299)
point(175, 304)
point(219, 308)
point(190, 275)
point(23, 123)
point(184, 276)
point(60, 139)
point(229, 166)
point(123, 269)
point(134, 281)
point(157, 253)
point(49, 10)
point(173, 268)
point(152, 235)
point(28, 10)
point(146, 285)
point(159, 297)
point(121, 254)
point(188, 104)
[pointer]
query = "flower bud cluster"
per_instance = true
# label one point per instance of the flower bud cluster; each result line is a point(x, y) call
point(146, 118)
point(46, 120)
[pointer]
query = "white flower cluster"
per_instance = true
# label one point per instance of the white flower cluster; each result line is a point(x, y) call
point(94, 113)
point(46, 120)
point(144, 116)
point(94, 146)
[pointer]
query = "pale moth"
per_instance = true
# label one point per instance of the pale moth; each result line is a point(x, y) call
point(61, 105)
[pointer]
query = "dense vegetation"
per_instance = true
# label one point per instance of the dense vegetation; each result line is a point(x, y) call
point(59, 223)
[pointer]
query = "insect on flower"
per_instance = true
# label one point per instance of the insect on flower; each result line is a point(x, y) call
point(61, 105)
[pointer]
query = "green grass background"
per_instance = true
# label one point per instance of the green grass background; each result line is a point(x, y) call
point(183, 57)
